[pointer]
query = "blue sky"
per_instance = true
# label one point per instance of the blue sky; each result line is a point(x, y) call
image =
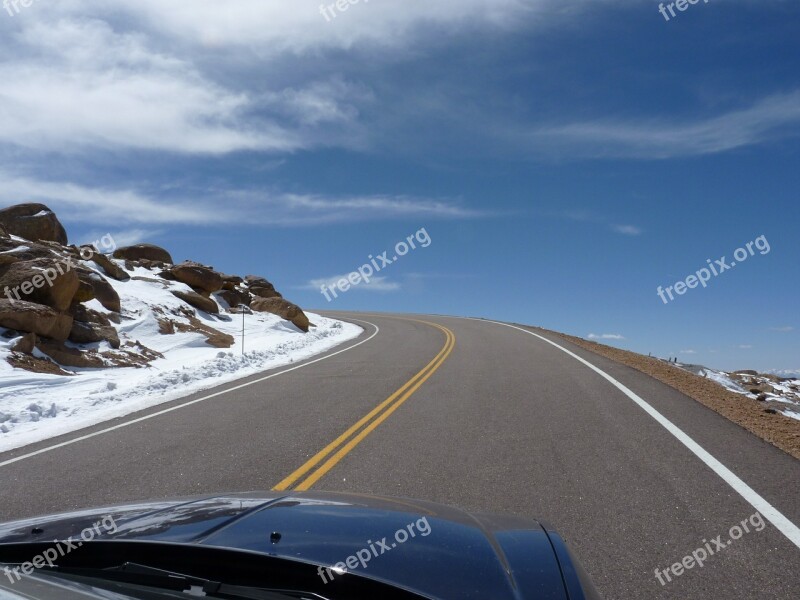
point(566, 157)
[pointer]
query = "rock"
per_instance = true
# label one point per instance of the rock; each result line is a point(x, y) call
point(167, 274)
point(12, 251)
point(88, 333)
point(33, 222)
point(257, 281)
point(70, 357)
point(56, 292)
point(83, 314)
point(214, 337)
point(746, 372)
point(230, 282)
point(762, 397)
point(235, 297)
point(110, 268)
point(85, 291)
point(36, 318)
point(762, 388)
point(284, 309)
point(35, 364)
point(198, 276)
point(264, 292)
point(144, 252)
point(26, 343)
point(103, 291)
point(198, 301)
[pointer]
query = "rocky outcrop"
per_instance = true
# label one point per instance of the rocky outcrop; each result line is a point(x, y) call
point(36, 318)
point(12, 251)
point(231, 282)
point(88, 333)
point(43, 281)
point(33, 222)
point(25, 344)
point(70, 357)
point(44, 284)
point(198, 276)
point(284, 309)
point(147, 252)
point(198, 301)
point(85, 291)
point(83, 314)
point(103, 291)
point(110, 268)
point(235, 297)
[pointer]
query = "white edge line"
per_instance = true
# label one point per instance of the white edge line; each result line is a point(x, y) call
point(185, 404)
point(784, 525)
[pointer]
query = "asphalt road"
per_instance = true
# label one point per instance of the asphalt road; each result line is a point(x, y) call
point(471, 413)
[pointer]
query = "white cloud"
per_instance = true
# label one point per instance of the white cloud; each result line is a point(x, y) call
point(627, 229)
point(376, 284)
point(774, 116)
point(268, 27)
point(688, 352)
point(744, 346)
point(605, 336)
point(123, 237)
point(126, 207)
point(785, 329)
point(170, 76)
point(83, 84)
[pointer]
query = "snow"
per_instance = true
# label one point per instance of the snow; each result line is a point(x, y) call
point(783, 392)
point(35, 407)
point(724, 380)
point(20, 248)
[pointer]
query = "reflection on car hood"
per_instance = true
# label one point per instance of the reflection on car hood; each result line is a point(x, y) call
point(476, 556)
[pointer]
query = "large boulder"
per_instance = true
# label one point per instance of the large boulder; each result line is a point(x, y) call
point(147, 252)
point(33, 222)
point(198, 301)
point(231, 282)
point(111, 268)
point(265, 292)
point(12, 251)
point(45, 281)
point(235, 297)
point(284, 309)
point(257, 281)
point(103, 291)
point(85, 291)
point(198, 276)
point(36, 318)
point(88, 333)
point(84, 314)
point(70, 357)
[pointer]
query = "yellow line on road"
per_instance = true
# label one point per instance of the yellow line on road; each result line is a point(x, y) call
point(371, 420)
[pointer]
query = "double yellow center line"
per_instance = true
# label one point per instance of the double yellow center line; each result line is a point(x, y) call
point(314, 469)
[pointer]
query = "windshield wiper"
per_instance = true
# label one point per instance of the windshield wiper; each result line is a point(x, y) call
point(143, 575)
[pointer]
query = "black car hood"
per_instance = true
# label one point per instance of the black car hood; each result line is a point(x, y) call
point(463, 555)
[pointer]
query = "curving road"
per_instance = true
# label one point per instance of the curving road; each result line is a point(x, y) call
point(482, 415)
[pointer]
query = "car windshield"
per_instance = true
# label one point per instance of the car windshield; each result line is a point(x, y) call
point(487, 299)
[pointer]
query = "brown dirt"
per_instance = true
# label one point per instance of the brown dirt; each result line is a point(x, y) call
point(777, 429)
point(18, 360)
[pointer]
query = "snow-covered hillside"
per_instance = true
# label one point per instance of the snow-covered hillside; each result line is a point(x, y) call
point(87, 336)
